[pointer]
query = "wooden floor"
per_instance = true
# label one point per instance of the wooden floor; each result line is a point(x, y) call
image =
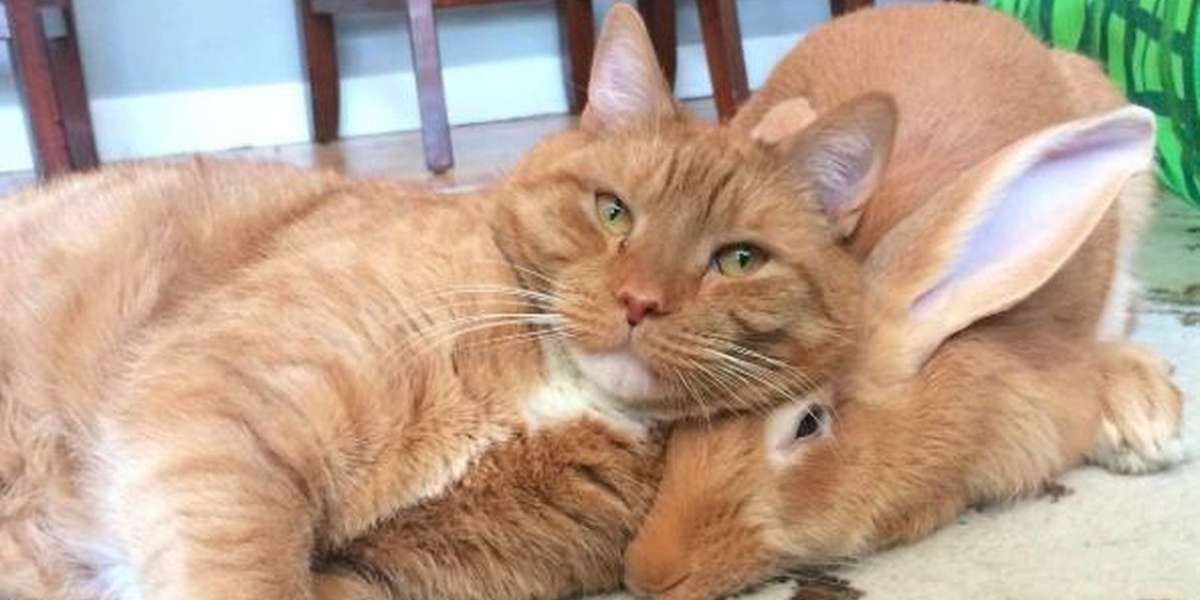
point(481, 151)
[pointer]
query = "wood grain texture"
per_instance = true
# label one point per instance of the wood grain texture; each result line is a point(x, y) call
point(316, 16)
point(841, 7)
point(577, 37)
point(431, 93)
point(321, 66)
point(341, 6)
point(31, 61)
point(67, 70)
point(659, 16)
point(485, 150)
point(723, 48)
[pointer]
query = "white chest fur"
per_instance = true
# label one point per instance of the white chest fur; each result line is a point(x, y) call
point(568, 395)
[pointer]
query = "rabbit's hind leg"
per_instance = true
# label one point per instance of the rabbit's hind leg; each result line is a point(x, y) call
point(1140, 431)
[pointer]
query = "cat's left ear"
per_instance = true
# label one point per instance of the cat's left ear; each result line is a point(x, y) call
point(626, 84)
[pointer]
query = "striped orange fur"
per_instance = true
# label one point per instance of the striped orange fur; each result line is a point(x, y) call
point(228, 380)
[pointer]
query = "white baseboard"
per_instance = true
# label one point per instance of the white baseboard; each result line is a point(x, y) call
point(271, 114)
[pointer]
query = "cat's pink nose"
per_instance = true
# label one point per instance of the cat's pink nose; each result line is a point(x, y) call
point(638, 306)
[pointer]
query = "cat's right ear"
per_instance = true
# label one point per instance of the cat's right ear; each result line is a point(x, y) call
point(841, 155)
point(626, 83)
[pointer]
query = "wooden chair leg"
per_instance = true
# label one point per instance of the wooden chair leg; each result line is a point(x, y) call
point(431, 93)
point(723, 48)
point(659, 16)
point(577, 34)
point(841, 7)
point(321, 65)
point(72, 94)
point(31, 60)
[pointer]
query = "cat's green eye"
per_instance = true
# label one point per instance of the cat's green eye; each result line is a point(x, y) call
point(613, 214)
point(739, 260)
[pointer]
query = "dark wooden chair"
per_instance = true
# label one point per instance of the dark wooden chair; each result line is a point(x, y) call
point(718, 21)
point(722, 44)
point(316, 23)
point(50, 81)
point(722, 41)
point(722, 47)
point(841, 7)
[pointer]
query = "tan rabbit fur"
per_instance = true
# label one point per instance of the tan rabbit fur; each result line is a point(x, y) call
point(995, 250)
point(226, 380)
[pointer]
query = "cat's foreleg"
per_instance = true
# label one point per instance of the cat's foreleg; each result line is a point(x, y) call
point(213, 503)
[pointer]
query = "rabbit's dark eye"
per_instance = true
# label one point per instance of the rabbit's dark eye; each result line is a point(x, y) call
point(810, 423)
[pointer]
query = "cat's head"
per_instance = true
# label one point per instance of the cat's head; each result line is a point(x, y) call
point(692, 269)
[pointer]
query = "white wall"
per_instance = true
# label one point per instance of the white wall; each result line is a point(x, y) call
point(172, 76)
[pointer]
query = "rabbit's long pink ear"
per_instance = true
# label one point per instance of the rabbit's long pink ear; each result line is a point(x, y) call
point(626, 83)
point(840, 155)
point(999, 232)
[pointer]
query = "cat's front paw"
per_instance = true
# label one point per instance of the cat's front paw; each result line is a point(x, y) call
point(1140, 430)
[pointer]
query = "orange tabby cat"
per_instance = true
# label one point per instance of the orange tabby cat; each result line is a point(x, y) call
point(217, 380)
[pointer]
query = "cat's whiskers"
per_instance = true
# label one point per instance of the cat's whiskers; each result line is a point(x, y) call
point(701, 378)
point(720, 379)
point(484, 290)
point(807, 383)
point(472, 299)
point(465, 308)
point(777, 366)
point(454, 328)
point(690, 384)
point(731, 368)
point(562, 300)
point(695, 363)
point(728, 387)
point(736, 366)
point(552, 283)
point(727, 381)
point(750, 373)
point(761, 402)
point(765, 400)
point(423, 341)
point(677, 375)
point(584, 311)
point(553, 332)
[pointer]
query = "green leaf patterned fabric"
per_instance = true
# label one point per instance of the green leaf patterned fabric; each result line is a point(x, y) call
point(1150, 50)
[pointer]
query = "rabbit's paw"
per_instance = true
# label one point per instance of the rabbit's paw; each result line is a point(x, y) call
point(1140, 430)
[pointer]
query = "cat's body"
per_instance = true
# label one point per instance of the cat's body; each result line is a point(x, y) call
point(230, 381)
point(162, 293)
